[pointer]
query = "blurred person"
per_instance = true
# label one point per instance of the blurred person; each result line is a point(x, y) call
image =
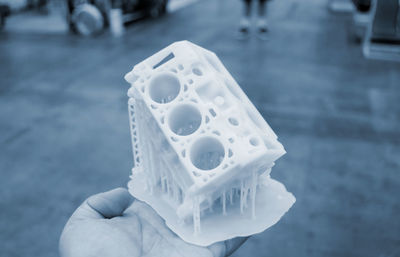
point(114, 224)
point(261, 23)
point(40, 5)
point(4, 12)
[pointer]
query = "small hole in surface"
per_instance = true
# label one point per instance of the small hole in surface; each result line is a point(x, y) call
point(233, 121)
point(213, 113)
point(254, 141)
point(164, 88)
point(216, 132)
point(184, 119)
point(197, 71)
point(207, 153)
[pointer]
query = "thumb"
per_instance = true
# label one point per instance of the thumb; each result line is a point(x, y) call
point(104, 205)
point(112, 203)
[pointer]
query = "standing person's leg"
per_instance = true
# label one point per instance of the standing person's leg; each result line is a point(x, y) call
point(262, 16)
point(245, 21)
point(247, 8)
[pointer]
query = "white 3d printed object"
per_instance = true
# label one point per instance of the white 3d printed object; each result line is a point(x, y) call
point(202, 151)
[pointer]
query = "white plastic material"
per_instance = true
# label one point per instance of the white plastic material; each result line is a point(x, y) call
point(202, 151)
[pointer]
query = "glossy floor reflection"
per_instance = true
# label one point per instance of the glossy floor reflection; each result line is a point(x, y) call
point(64, 131)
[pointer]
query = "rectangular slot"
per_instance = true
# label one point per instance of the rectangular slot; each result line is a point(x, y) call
point(165, 60)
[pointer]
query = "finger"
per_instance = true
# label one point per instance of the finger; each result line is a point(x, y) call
point(112, 203)
point(226, 248)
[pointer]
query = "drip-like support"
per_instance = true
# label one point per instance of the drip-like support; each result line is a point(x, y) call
point(163, 184)
point(210, 203)
point(231, 196)
point(224, 203)
point(168, 185)
point(245, 193)
point(196, 216)
point(241, 196)
point(253, 194)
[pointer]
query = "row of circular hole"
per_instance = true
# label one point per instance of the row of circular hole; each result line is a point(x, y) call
point(207, 153)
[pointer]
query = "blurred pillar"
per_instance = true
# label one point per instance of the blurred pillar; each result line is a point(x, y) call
point(116, 19)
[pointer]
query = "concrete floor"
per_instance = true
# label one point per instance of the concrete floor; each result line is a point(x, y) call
point(64, 126)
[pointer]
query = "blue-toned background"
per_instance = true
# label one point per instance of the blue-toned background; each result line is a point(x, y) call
point(64, 132)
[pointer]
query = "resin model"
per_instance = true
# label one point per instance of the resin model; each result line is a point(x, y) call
point(202, 151)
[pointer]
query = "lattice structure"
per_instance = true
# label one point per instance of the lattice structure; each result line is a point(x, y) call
point(200, 146)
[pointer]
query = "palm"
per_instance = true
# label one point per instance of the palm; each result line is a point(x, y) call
point(137, 231)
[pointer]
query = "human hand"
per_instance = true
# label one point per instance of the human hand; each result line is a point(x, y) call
point(113, 224)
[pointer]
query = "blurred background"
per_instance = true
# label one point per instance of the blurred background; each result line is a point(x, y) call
point(326, 78)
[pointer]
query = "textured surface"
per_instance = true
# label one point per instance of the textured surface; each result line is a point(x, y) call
point(64, 132)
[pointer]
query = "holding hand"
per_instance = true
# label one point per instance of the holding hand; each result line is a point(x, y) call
point(113, 224)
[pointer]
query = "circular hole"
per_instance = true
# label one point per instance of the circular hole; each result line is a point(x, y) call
point(233, 121)
point(184, 119)
point(207, 153)
point(164, 88)
point(197, 71)
point(219, 100)
point(254, 141)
